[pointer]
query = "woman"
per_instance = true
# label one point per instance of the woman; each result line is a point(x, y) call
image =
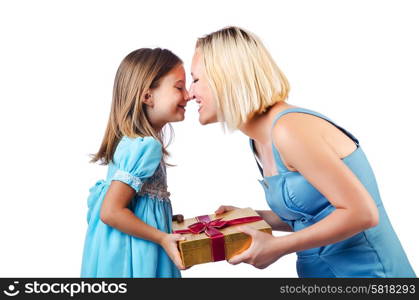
point(316, 178)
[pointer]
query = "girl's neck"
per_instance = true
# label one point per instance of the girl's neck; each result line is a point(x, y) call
point(158, 127)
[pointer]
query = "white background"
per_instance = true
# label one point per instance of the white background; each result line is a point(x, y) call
point(354, 61)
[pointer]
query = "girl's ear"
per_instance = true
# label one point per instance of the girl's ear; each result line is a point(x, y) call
point(148, 99)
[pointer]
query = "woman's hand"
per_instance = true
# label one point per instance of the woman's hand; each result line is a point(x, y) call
point(169, 244)
point(224, 208)
point(263, 251)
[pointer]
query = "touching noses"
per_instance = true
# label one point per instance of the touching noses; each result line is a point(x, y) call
point(187, 95)
point(191, 92)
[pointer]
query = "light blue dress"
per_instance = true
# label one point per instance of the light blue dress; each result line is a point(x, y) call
point(375, 252)
point(109, 252)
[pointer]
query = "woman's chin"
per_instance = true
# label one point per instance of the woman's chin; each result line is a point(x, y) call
point(202, 120)
point(205, 121)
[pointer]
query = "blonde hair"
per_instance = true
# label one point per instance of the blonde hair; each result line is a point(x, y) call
point(242, 75)
point(138, 72)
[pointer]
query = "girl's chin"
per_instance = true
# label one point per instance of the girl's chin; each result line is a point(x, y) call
point(179, 117)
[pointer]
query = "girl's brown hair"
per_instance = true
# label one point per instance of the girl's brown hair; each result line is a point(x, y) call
point(139, 71)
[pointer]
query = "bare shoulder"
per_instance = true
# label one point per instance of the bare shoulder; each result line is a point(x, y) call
point(301, 131)
point(297, 137)
point(293, 127)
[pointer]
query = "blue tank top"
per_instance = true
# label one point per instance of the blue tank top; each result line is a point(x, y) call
point(375, 252)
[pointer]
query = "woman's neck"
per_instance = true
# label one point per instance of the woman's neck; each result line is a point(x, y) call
point(256, 128)
point(259, 128)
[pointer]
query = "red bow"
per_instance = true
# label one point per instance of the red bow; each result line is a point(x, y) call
point(210, 228)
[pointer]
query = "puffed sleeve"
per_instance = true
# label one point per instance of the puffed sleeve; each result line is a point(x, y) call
point(136, 159)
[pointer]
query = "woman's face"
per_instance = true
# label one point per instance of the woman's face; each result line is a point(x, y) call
point(201, 92)
point(169, 98)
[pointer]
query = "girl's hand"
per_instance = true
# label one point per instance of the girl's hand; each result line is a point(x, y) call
point(178, 218)
point(224, 208)
point(169, 244)
point(262, 252)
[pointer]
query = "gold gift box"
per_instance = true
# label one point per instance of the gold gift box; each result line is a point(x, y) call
point(196, 248)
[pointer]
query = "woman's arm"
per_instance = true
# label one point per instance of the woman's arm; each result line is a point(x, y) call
point(307, 151)
point(115, 213)
point(274, 221)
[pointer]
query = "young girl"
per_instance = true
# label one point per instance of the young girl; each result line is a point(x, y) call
point(129, 217)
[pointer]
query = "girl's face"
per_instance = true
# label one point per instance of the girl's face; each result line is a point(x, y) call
point(201, 92)
point(168, 101)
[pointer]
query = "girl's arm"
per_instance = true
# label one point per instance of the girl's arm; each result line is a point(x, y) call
point(308, 152)
point(268, 215)
point(115, 213)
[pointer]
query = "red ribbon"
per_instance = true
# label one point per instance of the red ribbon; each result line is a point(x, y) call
point(210, 228)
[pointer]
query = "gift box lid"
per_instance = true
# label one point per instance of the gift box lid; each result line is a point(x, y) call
point(227, 231)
